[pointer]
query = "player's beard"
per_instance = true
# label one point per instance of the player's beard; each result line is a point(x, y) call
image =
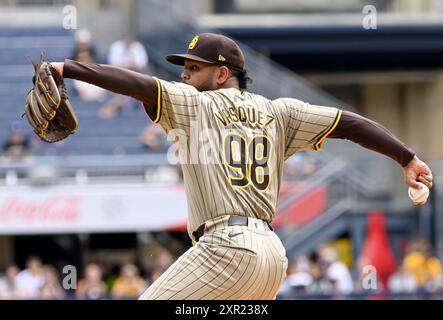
point(206, 85)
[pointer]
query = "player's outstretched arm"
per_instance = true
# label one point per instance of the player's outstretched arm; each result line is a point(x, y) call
point(374, 136)
point(123, 81)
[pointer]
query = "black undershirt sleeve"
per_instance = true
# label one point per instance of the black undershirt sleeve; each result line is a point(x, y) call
point(123, 81)
point(371, 135)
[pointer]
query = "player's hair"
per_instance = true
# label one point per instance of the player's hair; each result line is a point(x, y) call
point(243, 79)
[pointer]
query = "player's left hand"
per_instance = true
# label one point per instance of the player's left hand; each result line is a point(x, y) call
point(417, 170)
point(59, 67)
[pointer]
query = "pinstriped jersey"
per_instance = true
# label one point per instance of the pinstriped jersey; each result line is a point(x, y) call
point(232, 146)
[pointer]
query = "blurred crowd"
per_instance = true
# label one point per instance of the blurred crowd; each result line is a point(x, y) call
point(21, 143)
point(125, 53)
point(325, 274)
point(94, 282)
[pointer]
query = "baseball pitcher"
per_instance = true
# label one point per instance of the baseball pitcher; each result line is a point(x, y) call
point(232, 145)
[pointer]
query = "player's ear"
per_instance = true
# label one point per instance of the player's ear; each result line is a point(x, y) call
point(223, 75)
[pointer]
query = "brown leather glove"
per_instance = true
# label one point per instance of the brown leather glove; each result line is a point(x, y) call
point(47, 108)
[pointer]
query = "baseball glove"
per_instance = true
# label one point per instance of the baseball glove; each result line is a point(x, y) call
point(47, 108)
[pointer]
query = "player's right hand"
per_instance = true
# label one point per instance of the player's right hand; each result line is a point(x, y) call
point(417, 170)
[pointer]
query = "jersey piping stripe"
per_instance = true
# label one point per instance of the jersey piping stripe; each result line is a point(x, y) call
point(159, 103)
point(319, 144)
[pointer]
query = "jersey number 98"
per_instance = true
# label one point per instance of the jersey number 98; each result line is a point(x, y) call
point(248, 160)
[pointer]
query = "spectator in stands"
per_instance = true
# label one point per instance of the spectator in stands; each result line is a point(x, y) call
point(320, 284)
point(336, 271)
point(129, 285)
point(299, 278)
point(402, 281)
point(154, 139)
point(92, 286)
point(9, 289)
point(85, 51)
point(51, 288)
point(161, 263)
point(31, 279)
point(18, 143)
point(111, 272)
point(130, 54)
point(426, 268)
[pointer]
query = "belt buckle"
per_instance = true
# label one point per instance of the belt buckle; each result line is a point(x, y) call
point(237, 221)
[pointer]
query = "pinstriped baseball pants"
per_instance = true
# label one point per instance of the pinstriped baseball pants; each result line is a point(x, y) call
point(228, 262)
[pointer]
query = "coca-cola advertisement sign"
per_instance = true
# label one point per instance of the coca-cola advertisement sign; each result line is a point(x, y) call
point(60, 209)
point(91, 208)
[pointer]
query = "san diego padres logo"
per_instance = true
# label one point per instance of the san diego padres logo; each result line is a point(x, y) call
point(193, 43)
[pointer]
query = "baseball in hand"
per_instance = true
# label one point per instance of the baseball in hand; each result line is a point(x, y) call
point(418, 196)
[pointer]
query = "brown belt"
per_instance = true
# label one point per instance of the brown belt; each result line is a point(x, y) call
point(232, 221)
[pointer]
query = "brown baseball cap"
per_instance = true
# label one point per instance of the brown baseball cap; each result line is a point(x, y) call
point(211, 48)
